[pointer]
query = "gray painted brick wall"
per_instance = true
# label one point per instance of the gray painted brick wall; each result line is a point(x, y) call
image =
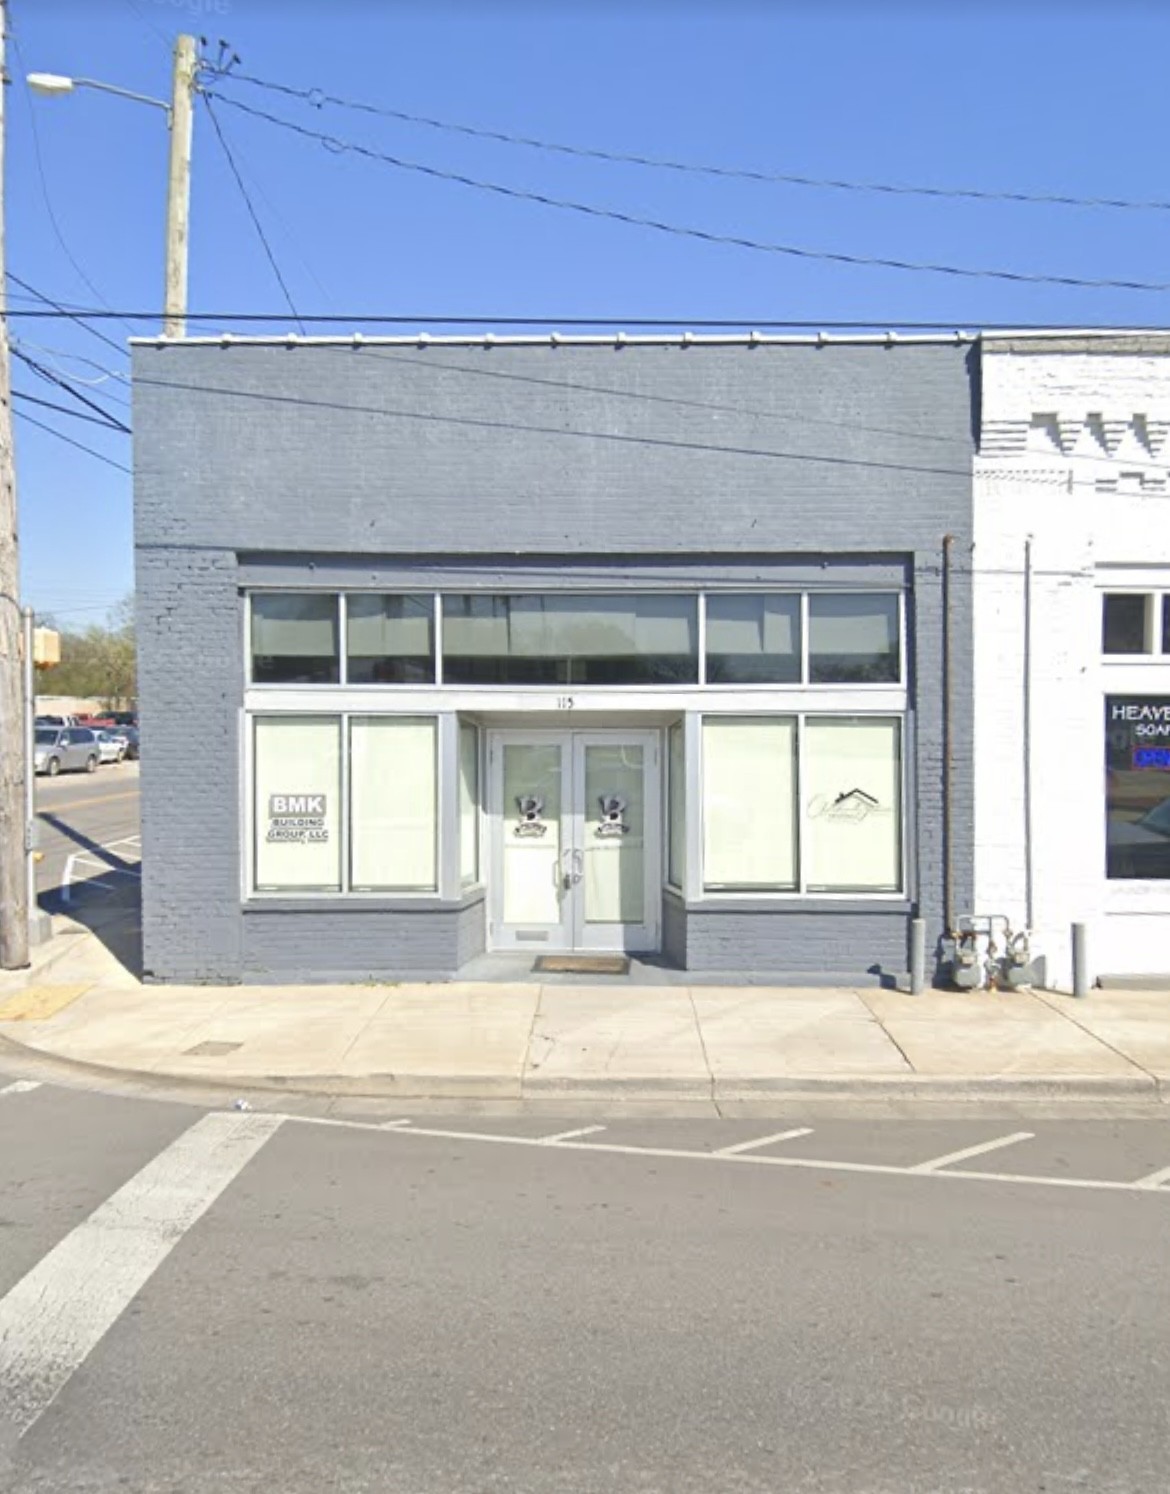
point(320, 457)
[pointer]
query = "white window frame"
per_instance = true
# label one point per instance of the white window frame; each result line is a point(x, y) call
point(250, 894)
point(699, 593)
point(801, 893)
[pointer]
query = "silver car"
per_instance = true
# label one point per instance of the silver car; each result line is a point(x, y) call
point(111, 745)
point(62, 749)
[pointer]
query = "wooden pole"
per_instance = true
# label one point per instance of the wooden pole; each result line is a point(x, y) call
point(179, 185)
point(13, 767)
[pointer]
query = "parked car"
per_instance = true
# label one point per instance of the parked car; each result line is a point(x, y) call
point(129, 735)
point(111, 746)
point(58, 721)
point(65, 749)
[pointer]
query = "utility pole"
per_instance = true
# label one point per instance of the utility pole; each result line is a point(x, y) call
point(179, 185)
point(13, 767)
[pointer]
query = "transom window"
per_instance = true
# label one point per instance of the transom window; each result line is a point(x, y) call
point(732, 638)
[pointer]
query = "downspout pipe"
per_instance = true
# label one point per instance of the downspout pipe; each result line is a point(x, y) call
point(948, 738)
point(1029, 885)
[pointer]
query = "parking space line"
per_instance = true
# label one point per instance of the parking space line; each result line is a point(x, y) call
point(748, 1146)
point(806, 1164)
point(972, 1151)
point(1154, 1179)
point(20, 1087)
point(57, 1314)
point(568, 1135)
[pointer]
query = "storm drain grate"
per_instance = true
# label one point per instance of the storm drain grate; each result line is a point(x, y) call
point(583, 965)
point(211, 1050)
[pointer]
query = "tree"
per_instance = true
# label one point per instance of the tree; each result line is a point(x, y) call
point(99, 660)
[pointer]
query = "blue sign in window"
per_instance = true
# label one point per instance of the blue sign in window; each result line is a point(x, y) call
point(1151, 757)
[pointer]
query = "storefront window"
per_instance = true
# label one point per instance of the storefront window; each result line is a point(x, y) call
point(296, 773)
point(853, 639)
point(294, 639)
point(1137, 787)
point(677, 789)
point(852, 805)
point(570, 640)
point(749, 804)
point(753, 639)
point(390, 639)
point(392, 804)
point(468, 804)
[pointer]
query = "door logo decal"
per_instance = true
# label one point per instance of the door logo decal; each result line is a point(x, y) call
point(531, 825)
point(613, 817)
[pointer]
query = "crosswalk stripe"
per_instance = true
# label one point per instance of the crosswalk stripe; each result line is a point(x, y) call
point(60, 1311)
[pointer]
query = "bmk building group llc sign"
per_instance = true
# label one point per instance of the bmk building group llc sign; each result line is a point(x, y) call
point(297, 819)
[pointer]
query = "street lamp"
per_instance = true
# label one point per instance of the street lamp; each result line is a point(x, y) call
point(52, 84)
point(179, 114)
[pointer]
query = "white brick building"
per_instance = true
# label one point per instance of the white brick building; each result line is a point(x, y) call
point(1072, 557)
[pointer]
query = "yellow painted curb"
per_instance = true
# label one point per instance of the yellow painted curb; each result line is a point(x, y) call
point(37, 1003)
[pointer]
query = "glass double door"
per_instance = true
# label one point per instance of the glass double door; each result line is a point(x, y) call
point(575, 840)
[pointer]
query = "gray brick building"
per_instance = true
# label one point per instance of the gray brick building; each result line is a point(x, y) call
point(553, 645)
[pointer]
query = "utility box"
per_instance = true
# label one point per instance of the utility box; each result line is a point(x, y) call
point(46, 647)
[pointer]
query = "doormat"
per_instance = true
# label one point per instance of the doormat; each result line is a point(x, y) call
point(573, 964)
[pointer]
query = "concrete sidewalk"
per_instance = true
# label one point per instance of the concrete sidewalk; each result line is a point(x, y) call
point(586, 1042)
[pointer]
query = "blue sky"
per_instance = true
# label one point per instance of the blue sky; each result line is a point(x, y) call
point(1035, 98)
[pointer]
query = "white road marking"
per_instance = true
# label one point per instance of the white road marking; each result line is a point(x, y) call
point(20, 1087)
point(568, 1135)
point(750, 1146)
point(972, 1151)
point(86, 860)
point(60, 1311)
point(1154, 1180)
point(814, 1164)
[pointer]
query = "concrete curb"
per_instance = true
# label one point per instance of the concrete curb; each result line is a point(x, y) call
point(652, 1089)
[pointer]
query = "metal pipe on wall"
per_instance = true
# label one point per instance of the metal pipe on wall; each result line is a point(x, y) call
point(1029, 909)
point(948, 740)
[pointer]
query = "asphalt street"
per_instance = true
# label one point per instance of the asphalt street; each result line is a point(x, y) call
point(88, 832)
point(221, 1301)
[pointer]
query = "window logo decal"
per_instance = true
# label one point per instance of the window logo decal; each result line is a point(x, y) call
point(613, 817)
point(531, 824)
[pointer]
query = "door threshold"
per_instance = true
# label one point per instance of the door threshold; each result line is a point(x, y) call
point(582, 964)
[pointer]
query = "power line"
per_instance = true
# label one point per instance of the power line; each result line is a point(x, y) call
point(792, 251)
point(553, 324)
point(150, 25)
point(274, 212)
point(73, 316)
point(44, 182)
point(104, 374)
point(318, 98)
point(64, 384)
point(49, 404)
point(61, 436)
point(256, 224)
